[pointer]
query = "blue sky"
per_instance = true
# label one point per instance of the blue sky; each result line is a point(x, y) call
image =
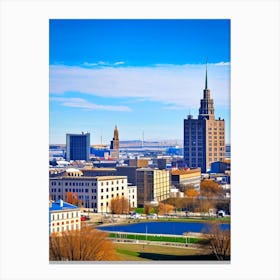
point(141, 75)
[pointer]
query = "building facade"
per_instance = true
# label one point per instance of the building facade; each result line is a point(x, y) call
point(204, 137)
point(132, 195)
point(153, 185)
point(181, 178)
point(92, 192)
point(63, 216)
point(77, 146)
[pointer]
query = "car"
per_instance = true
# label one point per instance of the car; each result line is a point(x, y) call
point(152, 216)
point(135, 216)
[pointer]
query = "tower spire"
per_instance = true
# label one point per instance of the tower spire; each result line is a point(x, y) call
point(206, 75)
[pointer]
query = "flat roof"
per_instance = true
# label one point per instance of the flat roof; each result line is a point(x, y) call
point(96, 178)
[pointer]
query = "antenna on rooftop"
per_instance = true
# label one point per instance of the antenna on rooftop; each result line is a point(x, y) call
point(101, 137)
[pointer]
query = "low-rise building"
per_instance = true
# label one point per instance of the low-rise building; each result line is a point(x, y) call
point(63, 216)
point(184, 177)
point(91, 192)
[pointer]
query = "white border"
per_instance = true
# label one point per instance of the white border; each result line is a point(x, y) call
point(255, 137)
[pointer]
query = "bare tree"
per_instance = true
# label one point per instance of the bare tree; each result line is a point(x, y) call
point(119, 205)
point(87, 244)
point(219, 240)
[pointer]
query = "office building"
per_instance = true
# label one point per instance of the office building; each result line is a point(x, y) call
point(204, 137)
point(77, 146)
point(92, 192)
point(153, 185)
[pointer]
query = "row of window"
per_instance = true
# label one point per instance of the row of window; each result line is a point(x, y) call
point(215, 154)
point(73, 184)
point(62, 216)
point(53, 183)
point(84, 190)
point(215, 149)
point(66, 228)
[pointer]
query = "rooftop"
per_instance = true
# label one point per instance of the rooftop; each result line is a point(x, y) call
point(61, 205)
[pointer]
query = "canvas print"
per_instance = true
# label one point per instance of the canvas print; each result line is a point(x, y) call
point(139, 140)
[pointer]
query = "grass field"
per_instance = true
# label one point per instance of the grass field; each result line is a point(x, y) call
point(159, 238)
point(140, 252)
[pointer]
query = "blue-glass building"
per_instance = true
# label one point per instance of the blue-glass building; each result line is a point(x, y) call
point(77, 146)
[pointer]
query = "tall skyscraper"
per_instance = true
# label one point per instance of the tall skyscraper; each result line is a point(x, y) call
point(204, 137)
point(115, 144)
point(77, 146)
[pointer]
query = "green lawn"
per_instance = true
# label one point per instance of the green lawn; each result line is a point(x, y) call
point(158, 238)
point(140, 252)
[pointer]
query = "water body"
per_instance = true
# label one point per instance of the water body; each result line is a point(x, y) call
point(175, 228)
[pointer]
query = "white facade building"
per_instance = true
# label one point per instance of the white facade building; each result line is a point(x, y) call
point(63, 216)
point(132, 196)
point(92, 192)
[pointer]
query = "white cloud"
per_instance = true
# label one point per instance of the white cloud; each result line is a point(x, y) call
point(119, 63)
point(176, 85)
point(82, 103)
point(102, 63)
point(222, 63)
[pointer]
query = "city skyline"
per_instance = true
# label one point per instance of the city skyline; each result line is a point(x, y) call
point(141, 75)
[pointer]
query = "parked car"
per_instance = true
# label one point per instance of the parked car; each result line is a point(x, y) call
point(135, 216)
point(152, 216)
point(221, 213)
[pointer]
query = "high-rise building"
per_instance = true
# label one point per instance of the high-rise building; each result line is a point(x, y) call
point(77, 146)
point(115, 144)
point(204, 137)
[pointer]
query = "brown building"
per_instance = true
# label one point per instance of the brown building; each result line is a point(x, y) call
point(140, 162)
point(115, 144)
point(184, 177)
point(204, 137)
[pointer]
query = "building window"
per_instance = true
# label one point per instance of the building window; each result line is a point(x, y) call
point(101, 196)
point(107, 189)
point(102, 190)
point(112, 189)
